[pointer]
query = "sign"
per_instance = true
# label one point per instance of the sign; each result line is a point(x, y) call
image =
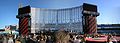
point(89, 7)
point(90, 13)
point(24, 10)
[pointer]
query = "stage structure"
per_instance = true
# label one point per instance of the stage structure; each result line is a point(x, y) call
point(80, 19)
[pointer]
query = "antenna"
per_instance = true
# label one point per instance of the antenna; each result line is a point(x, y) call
point(29, 1)
point(20, 4)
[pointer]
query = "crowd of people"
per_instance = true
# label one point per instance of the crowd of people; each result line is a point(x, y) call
point(58, 37)
point(25, 39)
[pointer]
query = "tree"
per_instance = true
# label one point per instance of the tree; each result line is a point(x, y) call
point(62, 36)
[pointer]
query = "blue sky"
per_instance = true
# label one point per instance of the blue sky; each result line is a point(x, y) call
point(108, 9)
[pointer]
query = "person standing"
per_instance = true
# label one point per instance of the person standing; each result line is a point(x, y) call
point(10, 39)
point(49, 40)
point(109, 39)
point(22, 39)
point(5, 39)
point(17, 41)
point(77, 40)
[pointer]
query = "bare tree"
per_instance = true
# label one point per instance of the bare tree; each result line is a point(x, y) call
point(62, 36)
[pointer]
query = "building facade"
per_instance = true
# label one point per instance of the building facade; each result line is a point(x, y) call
point(80, 19)
point(109, 28)
point(10, 28)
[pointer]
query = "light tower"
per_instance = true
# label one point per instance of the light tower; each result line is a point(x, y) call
point(24, 20)
point(89, 18)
